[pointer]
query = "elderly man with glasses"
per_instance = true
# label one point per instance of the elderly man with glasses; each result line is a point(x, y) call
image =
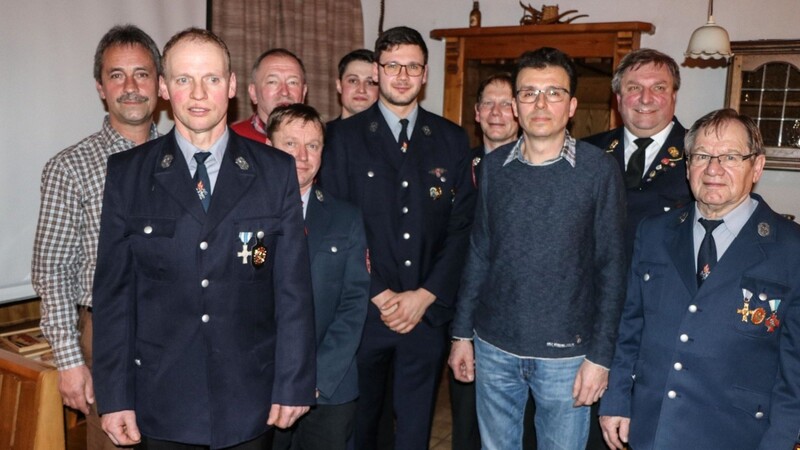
point(543, 284)
point(707, 355)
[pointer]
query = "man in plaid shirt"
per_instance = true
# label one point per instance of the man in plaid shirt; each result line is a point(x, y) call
point(126, 68)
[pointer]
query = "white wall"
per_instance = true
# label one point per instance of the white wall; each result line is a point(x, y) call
point(702, 89)
point(49, 100)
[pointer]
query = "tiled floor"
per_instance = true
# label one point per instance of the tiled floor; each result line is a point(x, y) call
point(440, 434)
point(442, 419)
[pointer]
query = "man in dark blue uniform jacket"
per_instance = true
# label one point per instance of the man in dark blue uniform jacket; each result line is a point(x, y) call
point(337, 246)
point(646, 83)
point(409, 172)
point(204, 331)
point(707, 355)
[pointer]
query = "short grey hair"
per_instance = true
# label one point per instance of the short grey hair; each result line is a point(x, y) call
point(715, 121)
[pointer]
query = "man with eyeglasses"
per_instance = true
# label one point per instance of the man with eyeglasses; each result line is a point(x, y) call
point(410, 173)
point(649, 146)
point(543, 283)
point(707, 355)
point(494, 114)
point(648, 149)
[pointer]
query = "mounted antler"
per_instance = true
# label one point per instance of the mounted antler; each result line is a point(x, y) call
point(531, 15)
point(548, 15)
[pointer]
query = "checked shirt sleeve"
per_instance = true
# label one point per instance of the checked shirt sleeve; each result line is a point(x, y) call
point(57, 260)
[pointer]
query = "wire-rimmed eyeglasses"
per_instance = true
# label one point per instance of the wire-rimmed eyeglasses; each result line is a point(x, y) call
point(552, 94)
point(393, 69)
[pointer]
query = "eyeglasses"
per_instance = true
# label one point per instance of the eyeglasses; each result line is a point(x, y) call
point(393, 69)
point(552, 94)
point(489, 105)
point(728, 160)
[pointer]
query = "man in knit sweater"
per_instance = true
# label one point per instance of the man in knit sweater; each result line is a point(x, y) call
point(543, 285)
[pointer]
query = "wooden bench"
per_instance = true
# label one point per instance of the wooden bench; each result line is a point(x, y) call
point(31, 412)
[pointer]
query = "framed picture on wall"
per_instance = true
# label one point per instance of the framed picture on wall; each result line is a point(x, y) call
point(764, 84)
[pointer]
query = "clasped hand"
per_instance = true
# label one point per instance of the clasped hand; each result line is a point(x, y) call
point(402, 311)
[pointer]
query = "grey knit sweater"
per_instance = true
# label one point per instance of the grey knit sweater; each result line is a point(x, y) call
point(545, 273)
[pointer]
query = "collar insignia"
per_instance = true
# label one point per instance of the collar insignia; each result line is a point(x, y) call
point(763, 229)
point(166, 161)
point(242, 163)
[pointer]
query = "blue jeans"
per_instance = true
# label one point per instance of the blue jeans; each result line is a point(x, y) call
point(502, 381)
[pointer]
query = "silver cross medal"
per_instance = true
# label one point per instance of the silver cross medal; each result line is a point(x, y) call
point(245, 237)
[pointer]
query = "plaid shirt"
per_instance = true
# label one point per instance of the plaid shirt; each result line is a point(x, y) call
point(567, 152)
point(65, 245)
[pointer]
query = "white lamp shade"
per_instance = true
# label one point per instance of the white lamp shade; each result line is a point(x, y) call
point(710, 41)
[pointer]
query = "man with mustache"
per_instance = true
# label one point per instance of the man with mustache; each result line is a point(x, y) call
point(126, 68)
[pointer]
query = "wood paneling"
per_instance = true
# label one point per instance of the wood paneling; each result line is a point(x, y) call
point(468, 50)
point(30, 405)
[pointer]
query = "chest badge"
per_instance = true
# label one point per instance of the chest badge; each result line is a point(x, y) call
point(773, 322)
point(673, 152)
point(745, 309)
point(259, 251)
point(245, 237)
point(438, 172)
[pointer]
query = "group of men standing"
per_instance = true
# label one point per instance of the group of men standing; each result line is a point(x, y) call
point(235, 279)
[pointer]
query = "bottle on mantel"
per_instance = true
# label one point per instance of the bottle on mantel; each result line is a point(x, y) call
point(475, 15)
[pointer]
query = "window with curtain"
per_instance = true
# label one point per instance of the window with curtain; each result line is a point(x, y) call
point(320, 32)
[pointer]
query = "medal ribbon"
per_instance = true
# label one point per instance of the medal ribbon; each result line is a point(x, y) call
point(245, 236)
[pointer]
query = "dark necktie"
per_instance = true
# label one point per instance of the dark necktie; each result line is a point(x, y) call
point(201, 182)
point(635, 169)
point(402, 139)
point(707, 256)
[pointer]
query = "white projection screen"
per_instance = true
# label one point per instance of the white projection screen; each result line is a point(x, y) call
point(48, 100)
